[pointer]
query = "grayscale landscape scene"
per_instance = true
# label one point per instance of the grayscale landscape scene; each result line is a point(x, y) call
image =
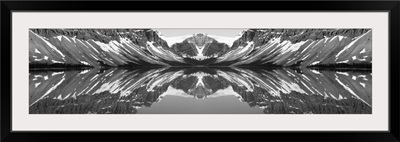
point(200, 71)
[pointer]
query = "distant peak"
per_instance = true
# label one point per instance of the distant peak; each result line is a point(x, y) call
point(200, 35)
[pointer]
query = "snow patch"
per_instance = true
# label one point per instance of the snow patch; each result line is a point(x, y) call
point(314, 63)
point(340, 37)
point(54, 61)
point(286, 44)
point(150, 44)
point(345, 61)
point(200, 57)
point(59, 37)
point(74, 39)
point(340, 97)
point(296, 46)
point(37, 84)
point(103, 46)
point(362, 84)
point(247, 47)
point(84, 72)
point(363, 51)
point(56, 73)
point(315, 71)
point(85, 63)
point(37, 51)
point(343, 73)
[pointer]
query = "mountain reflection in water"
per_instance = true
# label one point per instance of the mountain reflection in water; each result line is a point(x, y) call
point(200, 90)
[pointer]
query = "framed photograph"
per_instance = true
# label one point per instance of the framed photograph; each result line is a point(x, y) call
point(228, 70)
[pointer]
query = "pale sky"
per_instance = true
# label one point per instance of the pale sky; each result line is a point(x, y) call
point(172, 32)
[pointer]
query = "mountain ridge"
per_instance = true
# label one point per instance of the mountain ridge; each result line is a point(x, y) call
point(125, 47)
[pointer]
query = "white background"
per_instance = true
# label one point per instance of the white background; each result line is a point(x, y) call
point(22, 120)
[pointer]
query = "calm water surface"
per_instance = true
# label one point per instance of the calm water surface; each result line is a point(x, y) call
point(200, 91)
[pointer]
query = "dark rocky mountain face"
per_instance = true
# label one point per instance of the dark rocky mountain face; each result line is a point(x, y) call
point(99, 47)
point(301, 47)
point(124, 47)
point(139, 36)
point(262, 36)
point(200, 44)
point(200, 49)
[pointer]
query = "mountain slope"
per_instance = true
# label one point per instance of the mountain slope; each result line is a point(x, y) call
point(95, 47)
point(303, 47)
point(127, 47)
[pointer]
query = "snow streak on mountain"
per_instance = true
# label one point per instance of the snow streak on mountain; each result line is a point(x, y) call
point(126, 47)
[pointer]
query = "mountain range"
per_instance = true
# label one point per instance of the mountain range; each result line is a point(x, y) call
point(144, 47)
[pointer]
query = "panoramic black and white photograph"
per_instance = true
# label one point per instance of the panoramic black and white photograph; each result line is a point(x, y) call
point(200, 71)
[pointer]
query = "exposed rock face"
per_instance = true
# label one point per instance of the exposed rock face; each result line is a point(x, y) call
point(138, 36)
point(96, 47)
point(274, 91)
point(119, 47)
point(304, 47)
point(200, 48)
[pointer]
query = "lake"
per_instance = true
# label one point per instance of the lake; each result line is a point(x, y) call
point(200, 90)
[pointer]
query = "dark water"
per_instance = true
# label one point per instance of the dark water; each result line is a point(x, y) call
point(200, 91)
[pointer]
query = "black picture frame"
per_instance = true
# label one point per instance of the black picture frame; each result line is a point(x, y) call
point(7, 7)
